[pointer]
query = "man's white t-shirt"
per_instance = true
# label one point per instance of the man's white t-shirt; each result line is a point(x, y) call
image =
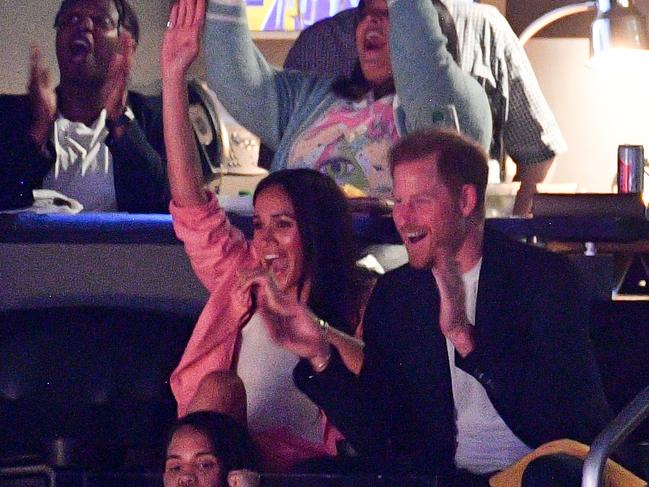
point(84, 165)
point(484, 442)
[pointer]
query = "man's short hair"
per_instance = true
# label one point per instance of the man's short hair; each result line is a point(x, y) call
point(126, 16)
point(459, 159)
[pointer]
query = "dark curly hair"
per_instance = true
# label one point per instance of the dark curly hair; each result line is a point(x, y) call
point(230, 441)
point(125, 16)
point(329, 246)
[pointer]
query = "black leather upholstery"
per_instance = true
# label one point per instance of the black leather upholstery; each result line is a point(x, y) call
point(620, 334)
point(98, 375)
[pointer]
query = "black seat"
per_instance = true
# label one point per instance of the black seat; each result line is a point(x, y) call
point(620, 334)
point(96, 377)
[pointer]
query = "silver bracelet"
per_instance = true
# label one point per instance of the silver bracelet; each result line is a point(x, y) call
point(324, 328)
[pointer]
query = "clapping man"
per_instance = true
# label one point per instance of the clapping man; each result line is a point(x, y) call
point(89, 138)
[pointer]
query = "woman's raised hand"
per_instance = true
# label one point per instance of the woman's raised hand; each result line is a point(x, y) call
point(289, 322)
point(180, 47)
point(181, 42)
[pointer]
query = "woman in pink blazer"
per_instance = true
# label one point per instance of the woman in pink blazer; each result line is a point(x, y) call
point(302, 238)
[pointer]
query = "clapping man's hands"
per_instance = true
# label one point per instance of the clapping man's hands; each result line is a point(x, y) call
point(452, 311)
point(115, 90)
point(119, 74)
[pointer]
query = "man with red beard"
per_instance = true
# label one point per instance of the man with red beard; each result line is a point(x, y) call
point(476, 351)
point(90, 138)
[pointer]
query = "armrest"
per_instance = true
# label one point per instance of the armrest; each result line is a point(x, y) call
point(611, 437)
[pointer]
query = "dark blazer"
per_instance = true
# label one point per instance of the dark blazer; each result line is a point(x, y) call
point(139, 165)
point(532, 355)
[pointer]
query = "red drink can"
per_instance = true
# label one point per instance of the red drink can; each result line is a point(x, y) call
point(630, 168)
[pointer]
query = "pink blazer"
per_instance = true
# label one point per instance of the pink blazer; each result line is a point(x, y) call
point(218, 251)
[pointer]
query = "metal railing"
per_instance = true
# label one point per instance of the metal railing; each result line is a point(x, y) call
point(611, 437)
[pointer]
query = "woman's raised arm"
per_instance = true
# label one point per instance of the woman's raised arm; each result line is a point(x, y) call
point(180, 47)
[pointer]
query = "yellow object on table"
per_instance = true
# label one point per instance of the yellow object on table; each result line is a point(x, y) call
point(616, 475)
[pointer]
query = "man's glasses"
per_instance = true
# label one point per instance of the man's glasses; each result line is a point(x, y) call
point(104, 23)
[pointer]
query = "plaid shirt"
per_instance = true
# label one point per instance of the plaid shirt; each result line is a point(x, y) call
point(524, 127)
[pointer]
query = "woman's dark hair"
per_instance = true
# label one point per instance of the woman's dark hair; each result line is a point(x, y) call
point(328, 244)
point(126, 16)
point(355, 86)
point(230, 441)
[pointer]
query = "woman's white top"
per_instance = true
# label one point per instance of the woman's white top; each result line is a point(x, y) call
point(273, 399)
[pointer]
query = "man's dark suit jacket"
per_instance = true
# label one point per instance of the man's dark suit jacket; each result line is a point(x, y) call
point(138, 157)
point(533, 356)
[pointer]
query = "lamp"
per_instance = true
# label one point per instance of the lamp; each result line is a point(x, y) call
point(618, 25)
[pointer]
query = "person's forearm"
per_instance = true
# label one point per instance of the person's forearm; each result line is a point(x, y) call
point(427, 79)
point(238, 73)
point(319, 351)
point(356, 406)
point(349, 348)
point(38, 133)
point(141, 184)
point(529, 175)
point(183, 161)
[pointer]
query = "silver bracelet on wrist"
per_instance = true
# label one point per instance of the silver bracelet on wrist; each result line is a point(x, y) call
point(324, 328)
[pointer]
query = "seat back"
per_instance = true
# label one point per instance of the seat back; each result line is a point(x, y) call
point(620, 334)
point(93, 375)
